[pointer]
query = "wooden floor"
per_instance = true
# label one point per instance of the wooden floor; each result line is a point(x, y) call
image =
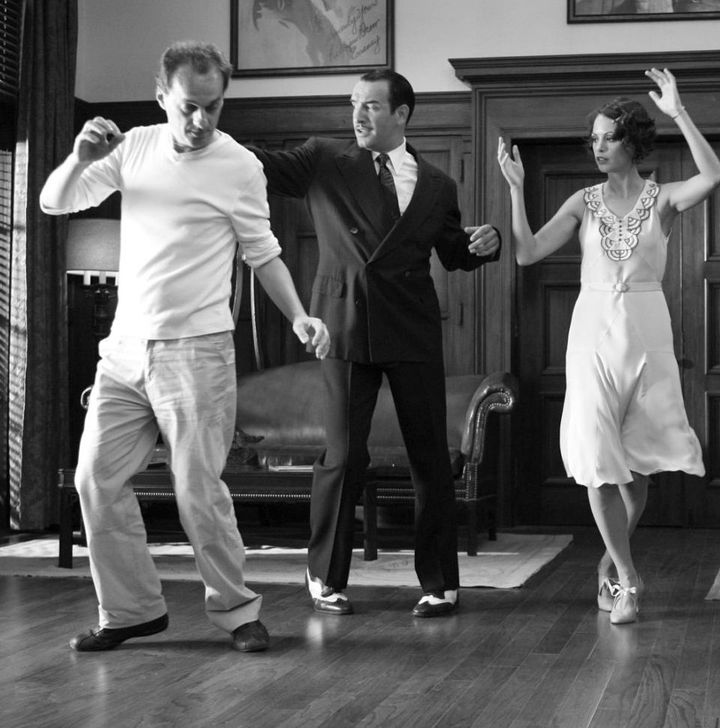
point(538, 656)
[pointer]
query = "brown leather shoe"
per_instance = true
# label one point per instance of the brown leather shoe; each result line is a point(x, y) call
point(251, 637)
point(105, 638)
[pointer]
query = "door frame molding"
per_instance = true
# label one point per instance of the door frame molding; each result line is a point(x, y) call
point(521, 97)
point(549, 97)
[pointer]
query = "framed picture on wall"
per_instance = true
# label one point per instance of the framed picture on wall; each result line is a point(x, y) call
point(603, 11)
point(291, 37)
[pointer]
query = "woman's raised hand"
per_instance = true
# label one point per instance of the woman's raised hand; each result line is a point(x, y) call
point(511, 166)
point(669, 100)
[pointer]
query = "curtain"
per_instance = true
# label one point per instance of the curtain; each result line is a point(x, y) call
point(38, 369)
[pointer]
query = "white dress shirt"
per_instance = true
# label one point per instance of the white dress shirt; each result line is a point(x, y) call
point(403, 167)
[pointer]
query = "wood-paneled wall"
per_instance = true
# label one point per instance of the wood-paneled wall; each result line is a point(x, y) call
point(440, 129)
point(543, 102)
point(541, 99)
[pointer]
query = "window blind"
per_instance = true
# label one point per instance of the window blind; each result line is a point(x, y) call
point(10, 25)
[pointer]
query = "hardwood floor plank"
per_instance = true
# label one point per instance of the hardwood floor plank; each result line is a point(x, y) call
point(711, 709)
point(481, 690)
point(652, 697)
point(557, 683)
point(533, 657)
point(583, 694)
point(509, 701)
point(683, 710)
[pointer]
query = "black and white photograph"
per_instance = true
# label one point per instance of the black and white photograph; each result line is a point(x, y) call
point(310, 36)
point(596, 11)
point(359, 364)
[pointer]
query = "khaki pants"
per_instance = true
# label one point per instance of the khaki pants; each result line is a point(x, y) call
point(185, 389)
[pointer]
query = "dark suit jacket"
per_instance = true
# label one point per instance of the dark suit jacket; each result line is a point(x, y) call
point(373, 289)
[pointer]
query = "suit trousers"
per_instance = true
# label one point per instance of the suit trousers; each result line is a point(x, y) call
point(184, 389)
point(418, 391)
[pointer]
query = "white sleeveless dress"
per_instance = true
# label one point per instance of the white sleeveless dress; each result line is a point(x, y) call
point(623, 404)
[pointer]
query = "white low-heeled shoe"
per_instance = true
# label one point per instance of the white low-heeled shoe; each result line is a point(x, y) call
point(626, 605)
point(606, 593)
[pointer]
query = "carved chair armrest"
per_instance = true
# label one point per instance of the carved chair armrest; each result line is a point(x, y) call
point(498, 392)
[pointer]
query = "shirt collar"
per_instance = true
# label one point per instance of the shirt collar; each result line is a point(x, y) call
point(396, 155)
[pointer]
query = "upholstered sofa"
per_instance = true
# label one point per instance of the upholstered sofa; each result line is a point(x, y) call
point(280, 422)
point(280, 432)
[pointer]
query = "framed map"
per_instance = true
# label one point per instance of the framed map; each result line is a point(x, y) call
point(602, 11)
point(290, 37)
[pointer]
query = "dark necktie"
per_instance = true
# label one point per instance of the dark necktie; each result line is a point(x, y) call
point(391, 209)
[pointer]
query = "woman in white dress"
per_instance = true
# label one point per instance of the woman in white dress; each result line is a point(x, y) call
point(624, 417)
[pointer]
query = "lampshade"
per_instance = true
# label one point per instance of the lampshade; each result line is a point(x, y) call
point(93, 245)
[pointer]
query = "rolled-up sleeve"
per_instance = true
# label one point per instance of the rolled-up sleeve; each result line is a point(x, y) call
point(251, 221)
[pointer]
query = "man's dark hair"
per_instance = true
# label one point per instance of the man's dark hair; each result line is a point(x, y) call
point(201, 57)
point(400, 90)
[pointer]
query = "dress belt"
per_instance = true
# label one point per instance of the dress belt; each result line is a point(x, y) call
point(624, 286)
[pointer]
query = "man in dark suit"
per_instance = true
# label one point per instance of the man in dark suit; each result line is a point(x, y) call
point(379, 210)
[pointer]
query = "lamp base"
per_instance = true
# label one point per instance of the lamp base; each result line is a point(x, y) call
point(90, 312)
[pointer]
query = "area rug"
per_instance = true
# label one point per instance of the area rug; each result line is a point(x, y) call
point(503, 564)
point(714, 592)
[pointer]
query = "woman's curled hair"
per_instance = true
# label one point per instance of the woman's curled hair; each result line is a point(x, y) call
point(634, 127)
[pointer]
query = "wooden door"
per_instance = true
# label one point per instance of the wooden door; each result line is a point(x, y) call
point(699, 356)
point(456, 290)
point(546, 294)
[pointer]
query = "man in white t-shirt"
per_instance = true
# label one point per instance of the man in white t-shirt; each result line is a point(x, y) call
point(190, 195)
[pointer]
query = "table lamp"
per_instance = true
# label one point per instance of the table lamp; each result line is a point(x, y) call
point(93, 252)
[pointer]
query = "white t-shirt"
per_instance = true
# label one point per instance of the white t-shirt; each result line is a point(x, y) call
point(182, 214)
